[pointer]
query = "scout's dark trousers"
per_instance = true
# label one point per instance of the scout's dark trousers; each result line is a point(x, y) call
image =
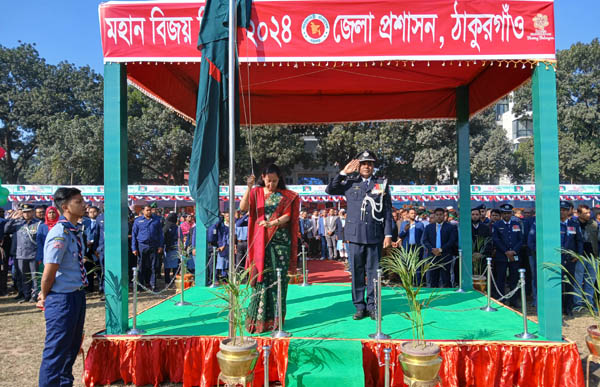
point(364, 260)
point(147, 265)
point(65, 315)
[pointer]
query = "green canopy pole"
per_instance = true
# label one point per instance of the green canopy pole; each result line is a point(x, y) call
point(200, 278)
point(115, 198)
point(545, 145)
point(464, 187)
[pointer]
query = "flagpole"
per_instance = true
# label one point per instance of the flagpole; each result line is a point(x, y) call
point(231, 100)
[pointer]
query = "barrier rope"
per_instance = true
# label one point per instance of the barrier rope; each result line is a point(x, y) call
point(509, 294)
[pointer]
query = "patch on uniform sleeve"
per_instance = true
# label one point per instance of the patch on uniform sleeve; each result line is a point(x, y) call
point(58, 245)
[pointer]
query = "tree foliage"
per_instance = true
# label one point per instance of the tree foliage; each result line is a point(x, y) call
point(33, 96)
point(159, 143)
point(51, 127)
point(578, 108)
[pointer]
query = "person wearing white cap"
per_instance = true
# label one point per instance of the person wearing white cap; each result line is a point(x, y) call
point(368, 226)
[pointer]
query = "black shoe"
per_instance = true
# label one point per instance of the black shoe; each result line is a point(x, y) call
point(18, 297)
point(359, 315)
point(373, 315)
point(24, 300)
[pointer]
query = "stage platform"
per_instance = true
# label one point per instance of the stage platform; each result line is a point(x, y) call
point(328, 348)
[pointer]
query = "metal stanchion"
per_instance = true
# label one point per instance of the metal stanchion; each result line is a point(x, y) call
point(387, 352)
point(460, 269)
point(214, 269)
point(134, 330)
point(182, 302)
point(525, 334)
point(377, 283)
point(304, 271)
point(267, 351)
point(489, 307)
point(279, 333)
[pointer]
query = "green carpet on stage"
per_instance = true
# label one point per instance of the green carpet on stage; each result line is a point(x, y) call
point(325, 311)
point(324, 363)
point(325, 348)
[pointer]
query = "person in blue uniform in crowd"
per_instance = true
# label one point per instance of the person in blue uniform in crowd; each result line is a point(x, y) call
point(212, 240)
point(570, 239)
point(531, 247)
point(170, 230)
point(90, 233)
point(508, 240)
point(368, 225)
point(440, 238)
point(191, 241)
point(62, 295)
point(147, 242)
point(223, 247)
point(23, 226)
point(241, 242)
point(100, 252)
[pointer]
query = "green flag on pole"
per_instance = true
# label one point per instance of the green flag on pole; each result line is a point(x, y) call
point(211, 140)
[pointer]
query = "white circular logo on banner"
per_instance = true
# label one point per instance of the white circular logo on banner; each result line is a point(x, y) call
point(315, 28)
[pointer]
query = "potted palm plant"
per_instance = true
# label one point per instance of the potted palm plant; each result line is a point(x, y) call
point(237, 356)
point(420, 359)
point(479, 249)
point(591, 301)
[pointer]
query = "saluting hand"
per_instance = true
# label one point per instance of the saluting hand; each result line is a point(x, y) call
point(352, 166)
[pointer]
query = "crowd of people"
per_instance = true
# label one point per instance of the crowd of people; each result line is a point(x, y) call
point(505, 234)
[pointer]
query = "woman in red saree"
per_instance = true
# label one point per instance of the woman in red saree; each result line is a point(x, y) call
point(273, 213)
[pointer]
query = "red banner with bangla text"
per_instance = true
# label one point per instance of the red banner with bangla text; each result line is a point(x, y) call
point(339, 30)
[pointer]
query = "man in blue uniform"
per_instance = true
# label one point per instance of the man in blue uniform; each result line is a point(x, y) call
point(571, 239)
point(368, 225)
point(90, 234)
point(100, 252)
point(24, 226)
point(241, 242)
point(508, 239)
point(62, 296)
point(147, 242)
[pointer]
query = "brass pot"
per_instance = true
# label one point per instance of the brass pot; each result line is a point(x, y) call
point(237, 360)
point(420, 363)
point(479, 282)
point(593, 340)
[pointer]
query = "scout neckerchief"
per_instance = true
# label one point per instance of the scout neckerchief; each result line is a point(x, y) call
point(76, 233)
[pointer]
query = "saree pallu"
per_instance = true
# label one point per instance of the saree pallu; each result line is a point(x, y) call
point(270, 249)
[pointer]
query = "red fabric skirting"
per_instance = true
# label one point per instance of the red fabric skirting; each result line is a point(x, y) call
point(486, 364)
point(188, 360)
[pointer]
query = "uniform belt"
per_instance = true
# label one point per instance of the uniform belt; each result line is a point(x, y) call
point(242, 240)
